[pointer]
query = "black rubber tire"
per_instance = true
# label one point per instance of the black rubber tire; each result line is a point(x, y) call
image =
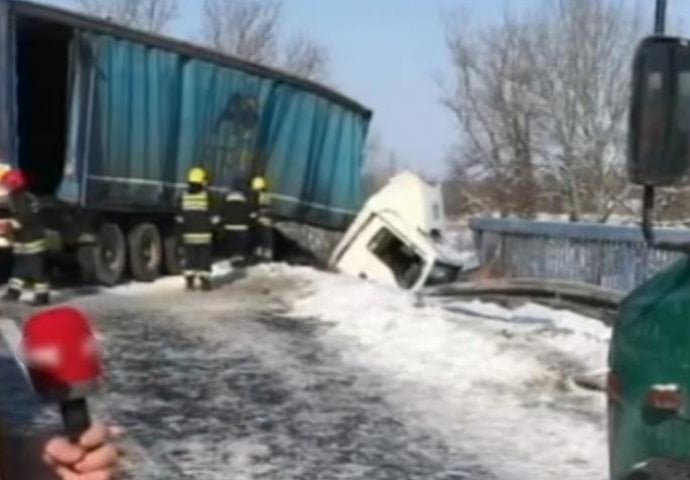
point(173, 254)
point(104, 262)
point(145, 252)
point(661, 469)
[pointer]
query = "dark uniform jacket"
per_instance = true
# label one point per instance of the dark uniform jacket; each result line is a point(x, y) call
point(261, 209)
point(194, 213)
point(235, 212)
point(28, 227)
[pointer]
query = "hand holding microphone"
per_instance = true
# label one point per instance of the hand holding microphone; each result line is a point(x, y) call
point(64, 362)
point(63, 358)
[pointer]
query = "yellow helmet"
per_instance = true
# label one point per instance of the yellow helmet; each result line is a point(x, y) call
point(259, 183)
point(197, 175)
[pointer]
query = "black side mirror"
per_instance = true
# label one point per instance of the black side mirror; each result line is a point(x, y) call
point(659, 128)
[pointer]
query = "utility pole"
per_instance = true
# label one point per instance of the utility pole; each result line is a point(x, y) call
point(660, 17)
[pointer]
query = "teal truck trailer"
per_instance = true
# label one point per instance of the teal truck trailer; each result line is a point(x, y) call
point(106, 121)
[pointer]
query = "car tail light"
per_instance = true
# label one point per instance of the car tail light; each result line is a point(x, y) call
point(613, 387)
point(665, 397)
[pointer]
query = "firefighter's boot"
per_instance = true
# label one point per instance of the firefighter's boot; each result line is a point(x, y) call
point(42, 299)
point(206, 285)
point(189, 282)
point(12, 295)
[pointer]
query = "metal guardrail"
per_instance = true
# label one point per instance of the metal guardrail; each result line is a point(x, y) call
point(614, 257)
point(590, 300)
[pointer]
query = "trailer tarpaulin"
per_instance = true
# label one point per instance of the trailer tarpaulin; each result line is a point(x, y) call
point(142, 116)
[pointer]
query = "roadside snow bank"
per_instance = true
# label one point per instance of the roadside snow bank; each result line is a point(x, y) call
point(490, 381)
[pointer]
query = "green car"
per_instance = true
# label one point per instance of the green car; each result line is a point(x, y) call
point(649, 377)
point(649, 380)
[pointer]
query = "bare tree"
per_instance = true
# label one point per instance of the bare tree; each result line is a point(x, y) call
point(582, 51)
point(152, 15)
point(495, 114)
point(469, 190)
point(305, 58)
point(380, 164)
point(248, 29)
point(252, 30)
point(541, 101)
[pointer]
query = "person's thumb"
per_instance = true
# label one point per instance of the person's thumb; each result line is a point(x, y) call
point(60, 451)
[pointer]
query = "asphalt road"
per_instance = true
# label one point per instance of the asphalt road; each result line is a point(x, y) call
point(229, 385)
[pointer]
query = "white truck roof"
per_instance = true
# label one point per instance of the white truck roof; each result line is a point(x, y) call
point(412, 199)
point(409, 209)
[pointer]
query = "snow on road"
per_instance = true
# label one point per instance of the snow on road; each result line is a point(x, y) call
point(297, 374)
point(493, 384)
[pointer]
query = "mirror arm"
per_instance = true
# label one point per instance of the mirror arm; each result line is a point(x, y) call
point(647, 210)
point(647, 227)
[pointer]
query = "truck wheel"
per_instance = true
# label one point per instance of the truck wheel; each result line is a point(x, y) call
point(174, 254)
point(145, 252)
point(104, 262)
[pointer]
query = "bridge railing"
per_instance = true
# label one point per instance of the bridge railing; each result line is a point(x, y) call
point(610, 256)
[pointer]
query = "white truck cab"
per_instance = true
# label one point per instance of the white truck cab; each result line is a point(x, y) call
point(397, 238)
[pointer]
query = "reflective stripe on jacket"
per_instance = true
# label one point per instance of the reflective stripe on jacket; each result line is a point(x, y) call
point(29, 248)
point(197, 238)
point(194, 213)
point(195, 202)
point(235, 212)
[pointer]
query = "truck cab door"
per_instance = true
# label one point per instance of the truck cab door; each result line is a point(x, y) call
point(382, 253)
point(358, 260)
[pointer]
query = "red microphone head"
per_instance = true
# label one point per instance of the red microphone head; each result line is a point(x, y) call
point(15, 180)
point(62, 354)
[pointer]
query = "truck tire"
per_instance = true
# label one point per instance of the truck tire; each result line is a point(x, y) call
point(661, 469)
point(104, 261)
point(145, 252)
point(173, 254)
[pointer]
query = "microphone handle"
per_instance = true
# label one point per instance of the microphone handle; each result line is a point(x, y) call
point(75, 417)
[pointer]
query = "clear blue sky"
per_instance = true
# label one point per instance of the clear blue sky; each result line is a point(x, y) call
point(388, 54)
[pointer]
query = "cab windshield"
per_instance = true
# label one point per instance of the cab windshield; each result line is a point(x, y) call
point(442, 273)
point(406, 264)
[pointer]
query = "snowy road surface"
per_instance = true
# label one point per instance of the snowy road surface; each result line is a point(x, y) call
point(295, 374)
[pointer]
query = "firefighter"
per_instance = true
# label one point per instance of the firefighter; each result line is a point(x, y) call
point(29, 246)
point(197, 230)
point(262, 231)
point(235, 217)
